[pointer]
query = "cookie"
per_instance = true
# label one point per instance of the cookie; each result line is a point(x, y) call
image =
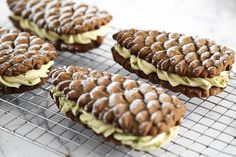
point(25, 61)
point(194, 66)
point(69, 25)
point(132, 112)
point(188, 91)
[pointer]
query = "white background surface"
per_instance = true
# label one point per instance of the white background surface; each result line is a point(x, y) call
point(12, 146)
point(213, 19)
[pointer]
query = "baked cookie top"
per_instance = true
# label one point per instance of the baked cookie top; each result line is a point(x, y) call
point(20, 52)
point(134, 106)
point(61, 16)
point(178, 53)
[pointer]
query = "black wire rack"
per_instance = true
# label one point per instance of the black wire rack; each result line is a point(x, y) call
point(209, 127)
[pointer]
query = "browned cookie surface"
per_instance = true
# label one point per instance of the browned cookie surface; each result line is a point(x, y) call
point(81, 48)
point(153, 77)
point(20, 52)
point(133, 106)
point(178, 53)
point(61, 16)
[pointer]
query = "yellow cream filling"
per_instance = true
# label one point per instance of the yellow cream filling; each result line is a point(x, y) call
point(30, 78)
point(144, 143)
point(174, 79)
point(82, 38)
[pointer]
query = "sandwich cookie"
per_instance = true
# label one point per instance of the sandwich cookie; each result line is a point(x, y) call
point(130, 112)
point(68, 24)
point(194, 66)
point(25, 61)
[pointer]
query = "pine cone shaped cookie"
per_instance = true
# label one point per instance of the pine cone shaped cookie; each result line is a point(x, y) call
point(25, 61)
point(131, 112)
point(68, 24)
point(194, 66)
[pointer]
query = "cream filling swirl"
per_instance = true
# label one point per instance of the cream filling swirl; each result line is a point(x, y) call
point(82, 38)
point(30, 78)
point(174, 79)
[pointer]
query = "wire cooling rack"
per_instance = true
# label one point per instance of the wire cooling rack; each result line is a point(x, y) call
point(209, 127)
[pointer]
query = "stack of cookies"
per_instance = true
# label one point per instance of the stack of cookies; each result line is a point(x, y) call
point(130, 112)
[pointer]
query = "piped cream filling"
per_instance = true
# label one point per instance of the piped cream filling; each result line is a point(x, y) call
point(30, 78)
point(143, 143)
point(174, 79)
point(82, 38)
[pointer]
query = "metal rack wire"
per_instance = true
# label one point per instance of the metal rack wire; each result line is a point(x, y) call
point(209, 128)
